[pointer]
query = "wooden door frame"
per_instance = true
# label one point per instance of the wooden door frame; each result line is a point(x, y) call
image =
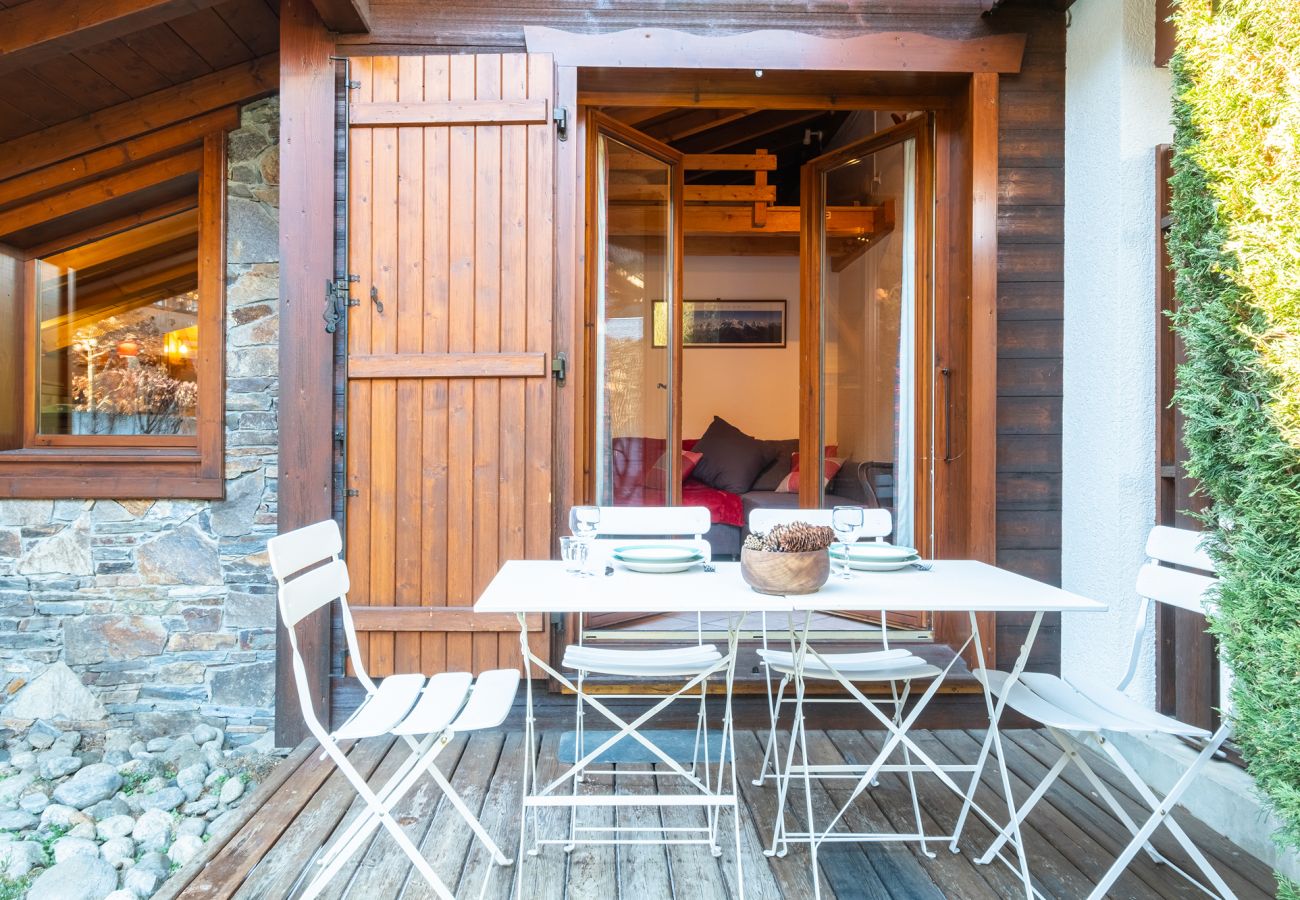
point(812, 239)
point(964, 242)
point(597, 123)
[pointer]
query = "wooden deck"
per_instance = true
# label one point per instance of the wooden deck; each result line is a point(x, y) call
point(1072, 838)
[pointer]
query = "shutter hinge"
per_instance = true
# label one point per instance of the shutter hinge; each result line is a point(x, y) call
point(560, 367)
point(354, 85)
point(560, 116)
point(351, 492)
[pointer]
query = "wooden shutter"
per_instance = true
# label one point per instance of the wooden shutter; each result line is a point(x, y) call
point(450, 198)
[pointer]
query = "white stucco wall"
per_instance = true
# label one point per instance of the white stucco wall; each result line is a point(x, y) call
point(1117, 110)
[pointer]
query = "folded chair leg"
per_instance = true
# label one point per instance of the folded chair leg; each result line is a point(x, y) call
point(1007, 833)
point(899, 705)
point(1162, 814)
point(1108, 797)
point(771, 750)
point(418, 751)
point(470, 819)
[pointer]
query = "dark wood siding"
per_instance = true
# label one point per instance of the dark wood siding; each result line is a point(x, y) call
point(1030, 216)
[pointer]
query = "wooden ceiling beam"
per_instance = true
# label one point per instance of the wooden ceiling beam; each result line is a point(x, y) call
point(692, 162)
point(233, 85)
point(344, 16)
point(725, 140)
point(663, 100)
point(112, 227)
point(721, 221)
point(43, 30)
point(696, 193)
point(125, 243)
point(695, 122)
point(99, 162)
point(101, 190)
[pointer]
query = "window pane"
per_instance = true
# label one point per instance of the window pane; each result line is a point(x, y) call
point(119, 337)
point(634, 277)
point(869, 362)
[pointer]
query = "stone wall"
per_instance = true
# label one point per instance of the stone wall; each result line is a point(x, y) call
point(164, 609)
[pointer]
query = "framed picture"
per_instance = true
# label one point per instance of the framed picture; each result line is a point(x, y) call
point(725, 323)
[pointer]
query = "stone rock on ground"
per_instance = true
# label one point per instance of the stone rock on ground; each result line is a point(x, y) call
point(78, 878)
point(67, 847)
point(12, 787)
point(42, 735)
point(185, 848)
point(232, 790)
point(56, 693)
point(115, 827)
point(118, 852)
point(166, 799)
point(92, 784)
point(17, 858)
point(57, 766)
point(153, 830)
point(16, 820)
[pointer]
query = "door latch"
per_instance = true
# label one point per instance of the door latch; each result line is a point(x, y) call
point(560, 116)
point(560, 367)
point(337, 300)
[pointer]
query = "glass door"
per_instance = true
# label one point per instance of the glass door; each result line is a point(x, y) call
point(866, 252)
point(636, 278)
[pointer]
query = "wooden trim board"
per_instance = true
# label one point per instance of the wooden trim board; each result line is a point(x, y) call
point(437, 618)
point(475, 112)
point(447, 365)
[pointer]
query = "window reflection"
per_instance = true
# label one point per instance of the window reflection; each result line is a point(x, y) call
point(118, 336)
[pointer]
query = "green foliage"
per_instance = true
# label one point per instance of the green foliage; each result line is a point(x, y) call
point(1236, 251)
point(14, 889)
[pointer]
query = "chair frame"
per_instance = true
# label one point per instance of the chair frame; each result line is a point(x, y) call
point(1157, 583)
point(673, 524)
point(313, 555)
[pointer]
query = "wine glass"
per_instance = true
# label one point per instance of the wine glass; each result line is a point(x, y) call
point(583, 522)
point(846, 520)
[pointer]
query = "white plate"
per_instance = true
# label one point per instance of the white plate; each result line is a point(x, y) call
point(875, 552)
point(659, 568)
point(656, 553)
point(863, 565)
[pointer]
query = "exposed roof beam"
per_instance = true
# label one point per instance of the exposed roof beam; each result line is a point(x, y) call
point(100, 162)
point(344, 16)
point(42, 30)
point(733, 138)
point(235, 84)
point(95, 192)
point(695, 122)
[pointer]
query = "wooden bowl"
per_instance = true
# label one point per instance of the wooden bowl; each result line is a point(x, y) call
point(785, 573)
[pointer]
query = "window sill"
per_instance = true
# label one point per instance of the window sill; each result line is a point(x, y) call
point(108, 473)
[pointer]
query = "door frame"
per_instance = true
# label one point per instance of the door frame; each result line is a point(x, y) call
point(964, 245)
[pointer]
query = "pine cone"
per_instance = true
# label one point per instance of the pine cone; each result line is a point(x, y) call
point(799, 537)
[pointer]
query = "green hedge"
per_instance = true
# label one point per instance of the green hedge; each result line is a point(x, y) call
point(1235, 244)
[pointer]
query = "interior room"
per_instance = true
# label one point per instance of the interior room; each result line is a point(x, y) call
point(738, 379)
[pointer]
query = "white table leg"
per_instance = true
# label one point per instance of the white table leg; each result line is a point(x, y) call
point(993, 741)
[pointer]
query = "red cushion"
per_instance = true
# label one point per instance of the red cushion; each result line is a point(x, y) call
point(724, 508)
point(830, 466)
point(656, 477)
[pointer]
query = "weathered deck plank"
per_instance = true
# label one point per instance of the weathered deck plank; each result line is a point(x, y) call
point(1072, 837)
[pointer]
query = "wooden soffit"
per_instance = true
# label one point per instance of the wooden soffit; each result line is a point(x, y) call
point(884, 51)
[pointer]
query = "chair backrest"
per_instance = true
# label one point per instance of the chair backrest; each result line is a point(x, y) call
point(1157, 581)
point(653, 521)
point(876, 523)
point(310, 573)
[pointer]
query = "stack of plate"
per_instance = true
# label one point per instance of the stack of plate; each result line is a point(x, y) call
point(875, 557)
point(658, 558)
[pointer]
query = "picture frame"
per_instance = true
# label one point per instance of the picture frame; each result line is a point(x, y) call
point(725, 324)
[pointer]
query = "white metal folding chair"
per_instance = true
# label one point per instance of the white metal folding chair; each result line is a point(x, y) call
point(424, 713)
point(692, 664)
point(1077, 715)
point(893, 666)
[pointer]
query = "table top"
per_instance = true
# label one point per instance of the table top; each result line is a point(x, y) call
point(529, 586)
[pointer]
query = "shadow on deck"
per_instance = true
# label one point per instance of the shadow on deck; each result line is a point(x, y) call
point(1072, 838)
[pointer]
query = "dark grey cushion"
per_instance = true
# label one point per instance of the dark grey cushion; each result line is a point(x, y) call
point(731, 459)
point(783, 453)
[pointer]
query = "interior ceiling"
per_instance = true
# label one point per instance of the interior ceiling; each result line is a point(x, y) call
point(792, 136)
point(214, 36)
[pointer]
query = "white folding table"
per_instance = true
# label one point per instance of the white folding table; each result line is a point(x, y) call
point(537, 586)
point(961, 586)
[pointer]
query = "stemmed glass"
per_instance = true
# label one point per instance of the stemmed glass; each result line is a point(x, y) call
point(846, 520)
point(583, 522)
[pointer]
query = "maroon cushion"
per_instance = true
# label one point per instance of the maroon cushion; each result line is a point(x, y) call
point(731, 460)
